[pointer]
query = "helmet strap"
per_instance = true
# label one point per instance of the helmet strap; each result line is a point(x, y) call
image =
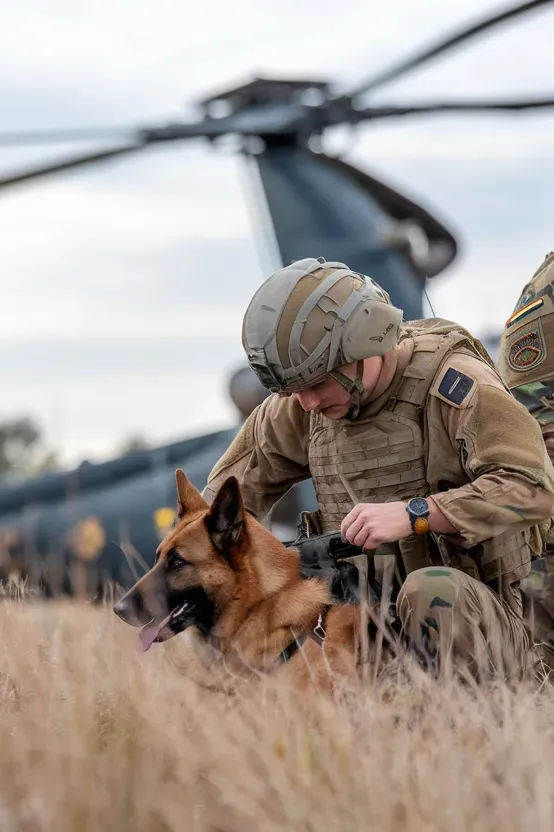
point(354, 386)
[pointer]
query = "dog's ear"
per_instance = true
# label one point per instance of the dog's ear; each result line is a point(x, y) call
point(225, 522)
point(188, 497)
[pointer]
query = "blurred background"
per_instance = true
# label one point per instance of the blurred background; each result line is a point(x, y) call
point(123, 282)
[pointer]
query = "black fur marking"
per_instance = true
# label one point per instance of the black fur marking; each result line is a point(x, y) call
point(199, 613)
point(175, 561)
point(225, 522)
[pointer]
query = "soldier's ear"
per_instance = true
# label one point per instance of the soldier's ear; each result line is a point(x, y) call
point(226, 520)
point(188, 497)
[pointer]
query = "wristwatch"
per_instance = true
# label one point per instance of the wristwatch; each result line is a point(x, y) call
point(418, 510)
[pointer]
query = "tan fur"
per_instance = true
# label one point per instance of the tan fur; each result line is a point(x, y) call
point(261, 601)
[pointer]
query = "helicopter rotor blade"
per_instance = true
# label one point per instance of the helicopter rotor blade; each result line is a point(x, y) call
point(67, 164)
point(19, 138)
point(371, 113)
point(444, 45)
point(269, 121)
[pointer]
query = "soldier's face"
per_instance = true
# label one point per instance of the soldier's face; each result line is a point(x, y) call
point(328, 397)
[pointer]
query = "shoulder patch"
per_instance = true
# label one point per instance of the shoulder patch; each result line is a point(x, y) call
point(455, 386)
point(461, 377)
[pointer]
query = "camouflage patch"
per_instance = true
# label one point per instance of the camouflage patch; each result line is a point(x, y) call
point(438, 573)
point(534, 390)
point(545, 417)
point(455, 386)
point(538, 398)
point(439, 602)
point(527, 351)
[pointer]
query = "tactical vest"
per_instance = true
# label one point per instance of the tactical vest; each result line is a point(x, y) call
point(382, 457)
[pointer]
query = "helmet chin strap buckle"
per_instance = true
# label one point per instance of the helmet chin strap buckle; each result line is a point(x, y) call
point(354, 386)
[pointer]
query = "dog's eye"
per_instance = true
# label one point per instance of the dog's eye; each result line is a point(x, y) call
point(175, 561)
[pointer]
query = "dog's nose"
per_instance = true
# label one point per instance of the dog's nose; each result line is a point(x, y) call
point(123, 609)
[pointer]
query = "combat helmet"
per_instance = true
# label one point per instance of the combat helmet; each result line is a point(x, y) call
point(526, 360)
point(312, 317)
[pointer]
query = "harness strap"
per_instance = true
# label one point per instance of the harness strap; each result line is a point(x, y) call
point(318, 634)
point(353, 386)
point(293, 648)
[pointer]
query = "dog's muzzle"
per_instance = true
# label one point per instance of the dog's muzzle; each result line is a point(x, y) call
point(126, 609)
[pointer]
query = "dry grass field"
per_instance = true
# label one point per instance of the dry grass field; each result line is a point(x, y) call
point(96, 736)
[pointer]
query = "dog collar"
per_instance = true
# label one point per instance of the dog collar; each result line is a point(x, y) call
point(318, 634)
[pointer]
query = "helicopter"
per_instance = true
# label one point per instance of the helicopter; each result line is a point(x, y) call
point(84, 531)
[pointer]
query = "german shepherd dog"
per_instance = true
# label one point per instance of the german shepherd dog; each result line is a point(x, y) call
point(223, 574)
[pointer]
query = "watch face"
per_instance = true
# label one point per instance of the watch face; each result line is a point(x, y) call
point(418, 505)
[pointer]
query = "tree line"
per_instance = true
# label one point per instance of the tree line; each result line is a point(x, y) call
point(24, 452)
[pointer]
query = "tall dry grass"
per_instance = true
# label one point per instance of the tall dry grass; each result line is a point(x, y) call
point(96, 736)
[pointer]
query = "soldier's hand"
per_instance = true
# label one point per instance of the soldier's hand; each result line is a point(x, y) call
point(371, 524)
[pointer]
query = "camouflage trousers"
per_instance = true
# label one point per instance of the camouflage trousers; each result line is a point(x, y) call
point(453, 622)
point(539, 593)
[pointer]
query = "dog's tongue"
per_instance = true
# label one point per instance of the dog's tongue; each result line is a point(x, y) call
point(150, 632)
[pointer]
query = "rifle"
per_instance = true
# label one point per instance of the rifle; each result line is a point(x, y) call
point(329, 557)
point(321, 553)
point(353, 579)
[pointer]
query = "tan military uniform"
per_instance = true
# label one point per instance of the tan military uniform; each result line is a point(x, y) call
point(527, 346)
point(526, 363)
point(445, 426)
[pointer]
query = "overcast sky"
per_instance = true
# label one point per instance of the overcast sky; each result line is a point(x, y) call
point(122, 287)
